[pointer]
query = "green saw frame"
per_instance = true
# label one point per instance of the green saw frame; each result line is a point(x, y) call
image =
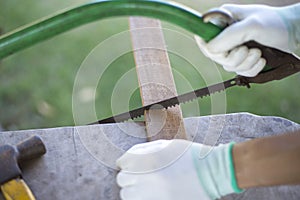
point(41, 30)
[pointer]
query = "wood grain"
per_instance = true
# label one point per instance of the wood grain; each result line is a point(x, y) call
point(155, 78)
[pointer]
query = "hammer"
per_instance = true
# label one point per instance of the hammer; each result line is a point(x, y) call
point(13, 186)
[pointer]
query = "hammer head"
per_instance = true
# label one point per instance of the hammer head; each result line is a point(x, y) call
point(11, 156)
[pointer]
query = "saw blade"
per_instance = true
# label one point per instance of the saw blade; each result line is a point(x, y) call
point(167, 103)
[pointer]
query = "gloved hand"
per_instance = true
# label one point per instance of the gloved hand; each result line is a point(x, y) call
point(266, 25)
point(176, 170)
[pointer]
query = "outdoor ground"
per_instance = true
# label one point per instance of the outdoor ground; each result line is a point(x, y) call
point(36, 84)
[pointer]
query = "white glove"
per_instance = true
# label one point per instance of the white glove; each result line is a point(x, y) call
point(263, 24)
point(176, 170)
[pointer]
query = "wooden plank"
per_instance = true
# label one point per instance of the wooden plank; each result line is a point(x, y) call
point(155, 78)
point(75, 166)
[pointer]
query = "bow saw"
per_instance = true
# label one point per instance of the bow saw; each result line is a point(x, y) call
point(279, 64)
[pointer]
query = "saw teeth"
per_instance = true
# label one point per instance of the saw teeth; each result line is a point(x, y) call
point(185, 98)
point(136, 117)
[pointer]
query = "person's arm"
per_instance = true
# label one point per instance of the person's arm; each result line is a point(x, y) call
point(268, 161)
point(179, 169)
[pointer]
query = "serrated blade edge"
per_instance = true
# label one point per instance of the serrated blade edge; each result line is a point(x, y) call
point(173, 101)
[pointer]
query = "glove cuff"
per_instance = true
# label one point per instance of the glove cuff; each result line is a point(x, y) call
point(291, 17)
point(215, 170)
point(234, 183)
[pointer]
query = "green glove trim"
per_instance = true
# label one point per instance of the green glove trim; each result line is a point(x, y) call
point(215, 169)
point(232, 171)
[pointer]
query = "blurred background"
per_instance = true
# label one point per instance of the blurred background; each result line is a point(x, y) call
point(36, 84)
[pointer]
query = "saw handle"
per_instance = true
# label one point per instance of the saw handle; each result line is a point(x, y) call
point(279, 64)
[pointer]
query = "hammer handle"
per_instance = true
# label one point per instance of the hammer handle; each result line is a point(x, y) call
point(31, 148)
point(17, 189)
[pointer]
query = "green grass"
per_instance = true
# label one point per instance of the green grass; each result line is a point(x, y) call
point(36, 85)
